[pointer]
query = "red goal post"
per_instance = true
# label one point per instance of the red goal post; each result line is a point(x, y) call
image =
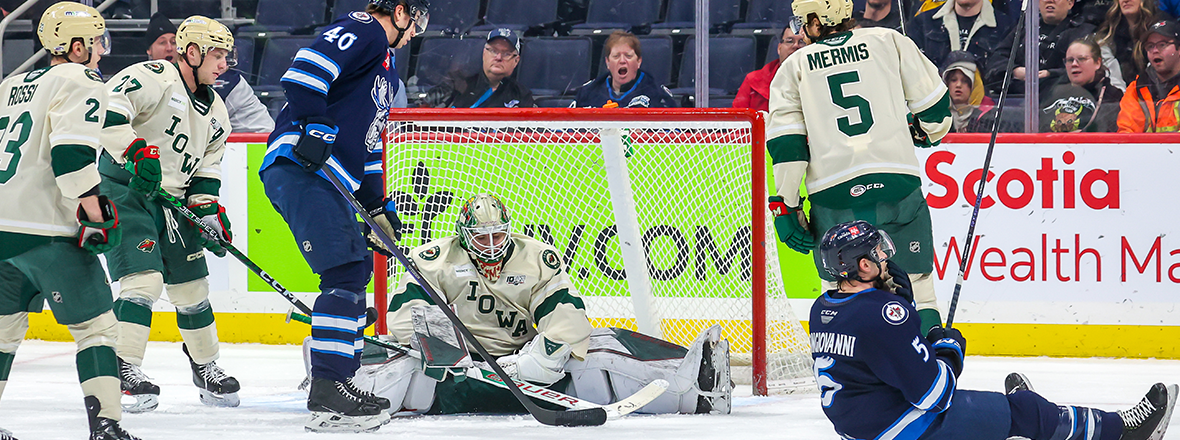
point(549, 164)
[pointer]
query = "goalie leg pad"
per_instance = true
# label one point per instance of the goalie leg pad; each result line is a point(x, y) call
point(401, 380)
point(138, 292)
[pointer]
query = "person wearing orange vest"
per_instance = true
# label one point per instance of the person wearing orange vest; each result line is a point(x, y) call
point(1150, 102)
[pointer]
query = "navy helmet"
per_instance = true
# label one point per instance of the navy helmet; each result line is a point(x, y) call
point(845, 244)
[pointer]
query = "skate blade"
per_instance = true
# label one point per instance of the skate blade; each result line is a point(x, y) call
point(332, 422)
point(1163, 426)
point(139, 403)
point(219, 400)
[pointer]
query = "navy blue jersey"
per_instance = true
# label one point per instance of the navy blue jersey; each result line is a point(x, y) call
point(878, 377)
point(642, 92)
point(348, 76)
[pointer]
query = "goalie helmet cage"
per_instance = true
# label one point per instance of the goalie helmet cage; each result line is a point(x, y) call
point(651, 211)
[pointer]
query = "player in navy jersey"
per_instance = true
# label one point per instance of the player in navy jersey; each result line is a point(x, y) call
point(339, 91)
point(880, 379)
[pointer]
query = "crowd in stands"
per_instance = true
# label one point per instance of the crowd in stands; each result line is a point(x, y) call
point(1105, 65)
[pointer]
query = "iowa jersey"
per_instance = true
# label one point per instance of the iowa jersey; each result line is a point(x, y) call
point(49, 140)
point(533, 291)
point(840, 104)
point(149, 100)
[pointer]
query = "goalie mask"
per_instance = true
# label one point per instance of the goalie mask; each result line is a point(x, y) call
point(484, 227)
point(846, 244)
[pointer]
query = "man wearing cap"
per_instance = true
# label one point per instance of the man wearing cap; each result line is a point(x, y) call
point(161, 39)
point(495, 87)
point(1149, 105)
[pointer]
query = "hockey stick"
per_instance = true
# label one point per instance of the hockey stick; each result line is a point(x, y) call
point(175, 204)
point(580, 417)
point(987, 161)
point(614, 410)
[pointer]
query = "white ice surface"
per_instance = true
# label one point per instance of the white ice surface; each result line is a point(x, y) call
point(43, 401)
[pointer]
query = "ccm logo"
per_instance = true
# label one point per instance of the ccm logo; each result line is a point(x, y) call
point(859, 190)
point(327, 137)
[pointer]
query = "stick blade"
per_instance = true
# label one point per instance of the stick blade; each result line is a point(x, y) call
point(643, 397)
point(579, 417)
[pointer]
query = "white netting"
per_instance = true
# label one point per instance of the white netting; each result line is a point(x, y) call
point(692, 195)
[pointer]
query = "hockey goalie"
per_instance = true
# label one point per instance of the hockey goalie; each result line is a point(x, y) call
point(515, 296)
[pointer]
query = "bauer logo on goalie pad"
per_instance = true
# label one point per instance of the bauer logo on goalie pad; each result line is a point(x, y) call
point(550, 259)
point(894, 313)
point(429, 254)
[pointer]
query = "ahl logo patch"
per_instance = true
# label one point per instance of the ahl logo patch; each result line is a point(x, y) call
point(550, 259)
point(429, 254)
point(147, 245)
point(515, 280)
point(894, 313)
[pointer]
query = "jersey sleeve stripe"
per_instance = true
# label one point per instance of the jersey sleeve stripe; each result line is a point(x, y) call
point(413, 292)
point(775, 131)
point(551, 303)
point(938, 112)
point(117, 106)
point(68, 158)
point(305, 79)
point(319, 60)
point(789, 148)
point(373, 168)
point(939, 394)
point(213, 172)
point(38, 226)
point(56, 139)
point(925, 103)
point(342, 173)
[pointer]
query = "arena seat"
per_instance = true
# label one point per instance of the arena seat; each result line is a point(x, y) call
point(681, 15)
point(287, 17)
point(554, 66)
point(517, 15)
point(603, 16)
point(276, 58)
point(730, 59)
point(442, 56)
point(764, 15)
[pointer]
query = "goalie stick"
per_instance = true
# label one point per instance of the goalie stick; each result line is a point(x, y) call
point(576, 417)
point(615, 410)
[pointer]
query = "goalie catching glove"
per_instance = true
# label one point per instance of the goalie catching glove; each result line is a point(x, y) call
point(791, 225)
point(385, 215)
point(99, 237)
point(540, 361)
point(213, 215)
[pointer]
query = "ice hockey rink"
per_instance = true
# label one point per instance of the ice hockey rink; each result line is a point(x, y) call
point(44, 402)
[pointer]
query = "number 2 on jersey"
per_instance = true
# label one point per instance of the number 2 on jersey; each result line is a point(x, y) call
point(836, 84)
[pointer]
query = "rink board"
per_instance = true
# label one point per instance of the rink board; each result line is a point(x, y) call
point(1061, 266)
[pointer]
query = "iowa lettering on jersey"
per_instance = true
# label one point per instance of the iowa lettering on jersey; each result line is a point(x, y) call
point(833, 343)
point(837, 56)
point(486, 304)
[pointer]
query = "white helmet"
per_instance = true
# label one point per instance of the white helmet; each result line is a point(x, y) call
point(207, 34)
point(65, 21)
point(830, 12)
point(483, 227)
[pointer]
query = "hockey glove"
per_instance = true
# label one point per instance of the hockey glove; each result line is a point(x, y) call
point(900, 281)
point(213, 215)
point(921, 139)
point(99, 237)
point(541, 361)
point(385, 215)
point(314, 147)
point(949, 345)
point(791, 225)
point(145, 164)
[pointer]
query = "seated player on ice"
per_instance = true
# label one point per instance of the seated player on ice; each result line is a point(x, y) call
point(879, 378)
point(513, 293)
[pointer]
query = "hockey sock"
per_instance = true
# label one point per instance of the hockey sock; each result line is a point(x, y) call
point(336, 343)
point(98, 368)
point(194, 317)
point(5, 368)
point(1035, 417)
point(134, 312)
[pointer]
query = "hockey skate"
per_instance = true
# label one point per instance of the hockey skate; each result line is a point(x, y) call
point(713, 380)
point(1016, 382)
point(366, 396)
point(216, 387)
point(1148, 420)
point(334, 408)
point(102, 428)
point(6, 434)
point(136, 385)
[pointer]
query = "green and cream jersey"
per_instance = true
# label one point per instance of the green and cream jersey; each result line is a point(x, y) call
point(533, 294)
point(48, 144)
point(150, 100)
point(838, 110)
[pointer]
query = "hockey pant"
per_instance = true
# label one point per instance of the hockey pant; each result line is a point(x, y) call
point(618, 364)
point(194, 315)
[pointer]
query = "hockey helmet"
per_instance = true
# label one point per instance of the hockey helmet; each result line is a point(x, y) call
point(830, 12)
point(419, 10)
point(207, 34)
point(845, 244)
point(483, 227)
point(65, 21)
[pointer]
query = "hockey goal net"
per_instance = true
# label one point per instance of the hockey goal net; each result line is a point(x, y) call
point(652, 211)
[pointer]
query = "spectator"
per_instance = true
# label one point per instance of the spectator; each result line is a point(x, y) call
point(961, 77)
point(1150, 103)
point(161, 38)
point(1057, 30)
point(879, 13)
point(1084, 99)
point(494, 87)
point(755, 90)
point(1121, 37)
point(975, 25)
point(625, 84)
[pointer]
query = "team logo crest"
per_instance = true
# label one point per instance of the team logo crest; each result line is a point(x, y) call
point(429, 254)
point(155, 66)
point(640, 101)
point(360, 16)
point(90, 73)
point(894, 313)
point(550, 259)
point(147, 245)
point(515, 280)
